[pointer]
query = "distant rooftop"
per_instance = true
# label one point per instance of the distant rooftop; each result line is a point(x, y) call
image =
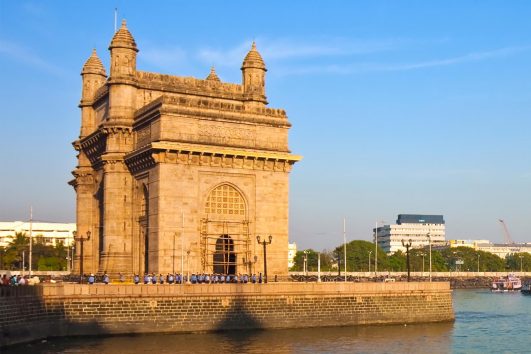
point(419, 219)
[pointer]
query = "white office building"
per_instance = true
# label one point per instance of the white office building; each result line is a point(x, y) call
point(292, 252)
point(411, 227)
point(51, 232)
point(502, 250)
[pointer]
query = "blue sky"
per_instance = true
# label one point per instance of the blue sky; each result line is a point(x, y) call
point(396, 106)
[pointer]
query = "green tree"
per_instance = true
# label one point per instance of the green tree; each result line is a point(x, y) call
point(488, 262)
point(397, 262)
point(327, 260)
point(358, 256)
point(516, 261)
point(13, 252)
point(53, 258)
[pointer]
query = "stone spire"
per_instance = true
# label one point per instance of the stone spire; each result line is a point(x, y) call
point(93, 77)
point(93, 65)
point(123, 54)
point(253, 59)
point(123, 39)
point(213, 76)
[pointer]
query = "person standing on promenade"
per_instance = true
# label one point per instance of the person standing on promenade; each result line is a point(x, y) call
point(147, 278)
point(122, 278)
point(153, 278)
point(106, 279)
point(136, 279)
point(91, 279)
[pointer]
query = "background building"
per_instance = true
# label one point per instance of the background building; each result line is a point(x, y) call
point(499, 249)
point(412, 227)
point(51, 233)
point(292, 252)
point(178, 174)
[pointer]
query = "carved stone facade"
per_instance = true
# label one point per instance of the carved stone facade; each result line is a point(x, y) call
point(178, 174)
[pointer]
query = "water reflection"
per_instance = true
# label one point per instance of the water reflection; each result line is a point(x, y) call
point(371, 339)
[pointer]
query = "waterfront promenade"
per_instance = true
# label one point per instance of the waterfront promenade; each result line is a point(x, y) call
point(54, 310)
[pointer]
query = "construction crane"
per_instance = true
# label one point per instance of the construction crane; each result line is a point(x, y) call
point(507, 235)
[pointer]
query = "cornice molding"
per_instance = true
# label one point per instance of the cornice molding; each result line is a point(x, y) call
point(203, 155)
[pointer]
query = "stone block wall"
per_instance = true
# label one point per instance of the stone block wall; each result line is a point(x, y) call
point(32, 313)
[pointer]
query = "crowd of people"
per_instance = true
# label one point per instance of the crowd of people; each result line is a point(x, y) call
point(177, 278)
point(16, 280)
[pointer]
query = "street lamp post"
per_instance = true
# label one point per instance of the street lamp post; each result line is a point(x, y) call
point(72, 259)
point(81, 239)
point(478, 262)
point(370, 261)
point(305, 262)
point(376, 251)
point(376, 248)
point(250, 263)
point(318, 267)
point(407, 245)
point(173, 253)
point(423, 255)
point(345, 247)
point(187, 267)
point(429, 240)
point(265, 243)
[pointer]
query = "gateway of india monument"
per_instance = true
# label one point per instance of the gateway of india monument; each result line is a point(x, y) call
point(178, 174)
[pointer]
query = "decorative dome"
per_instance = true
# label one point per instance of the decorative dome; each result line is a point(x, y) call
point(213, 76)
point(93, 65)
point(123, 39)
point(253, 59)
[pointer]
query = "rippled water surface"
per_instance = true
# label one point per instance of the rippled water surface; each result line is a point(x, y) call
point(485, 323)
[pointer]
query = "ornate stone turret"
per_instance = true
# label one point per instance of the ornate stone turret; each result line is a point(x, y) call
point(123, 54)
point(116, 249)
point(93, 77)
point(253, 77)
point(122, 81)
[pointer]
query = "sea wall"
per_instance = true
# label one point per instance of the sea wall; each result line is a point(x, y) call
point(50, 310)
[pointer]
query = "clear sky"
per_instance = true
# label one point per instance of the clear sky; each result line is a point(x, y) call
point(397, 106)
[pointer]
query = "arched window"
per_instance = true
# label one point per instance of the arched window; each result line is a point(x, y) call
point(225, 200)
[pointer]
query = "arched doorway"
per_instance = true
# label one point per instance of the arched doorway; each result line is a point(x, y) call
point(224, 257)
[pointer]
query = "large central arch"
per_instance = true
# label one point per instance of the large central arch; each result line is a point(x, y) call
point(225, 230)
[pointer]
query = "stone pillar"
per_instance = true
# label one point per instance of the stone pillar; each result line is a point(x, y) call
point(116, 256)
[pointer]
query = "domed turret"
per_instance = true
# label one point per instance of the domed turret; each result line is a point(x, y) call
point(93, 65)
point(93, 77)
point(253, 59)
point(123, 39)
point(213, 76)
point(253, 77)
point(123, 54)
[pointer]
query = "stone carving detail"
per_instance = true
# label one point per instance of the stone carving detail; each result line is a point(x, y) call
point(143, 137)
point(222, 133)
point(149, 157)
point(94, 146)
point(181, 83)
point(140, 162)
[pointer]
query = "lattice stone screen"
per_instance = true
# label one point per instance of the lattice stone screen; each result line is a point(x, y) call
point(225, 200)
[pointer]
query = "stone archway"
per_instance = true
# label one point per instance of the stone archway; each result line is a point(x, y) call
point(224, 258)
